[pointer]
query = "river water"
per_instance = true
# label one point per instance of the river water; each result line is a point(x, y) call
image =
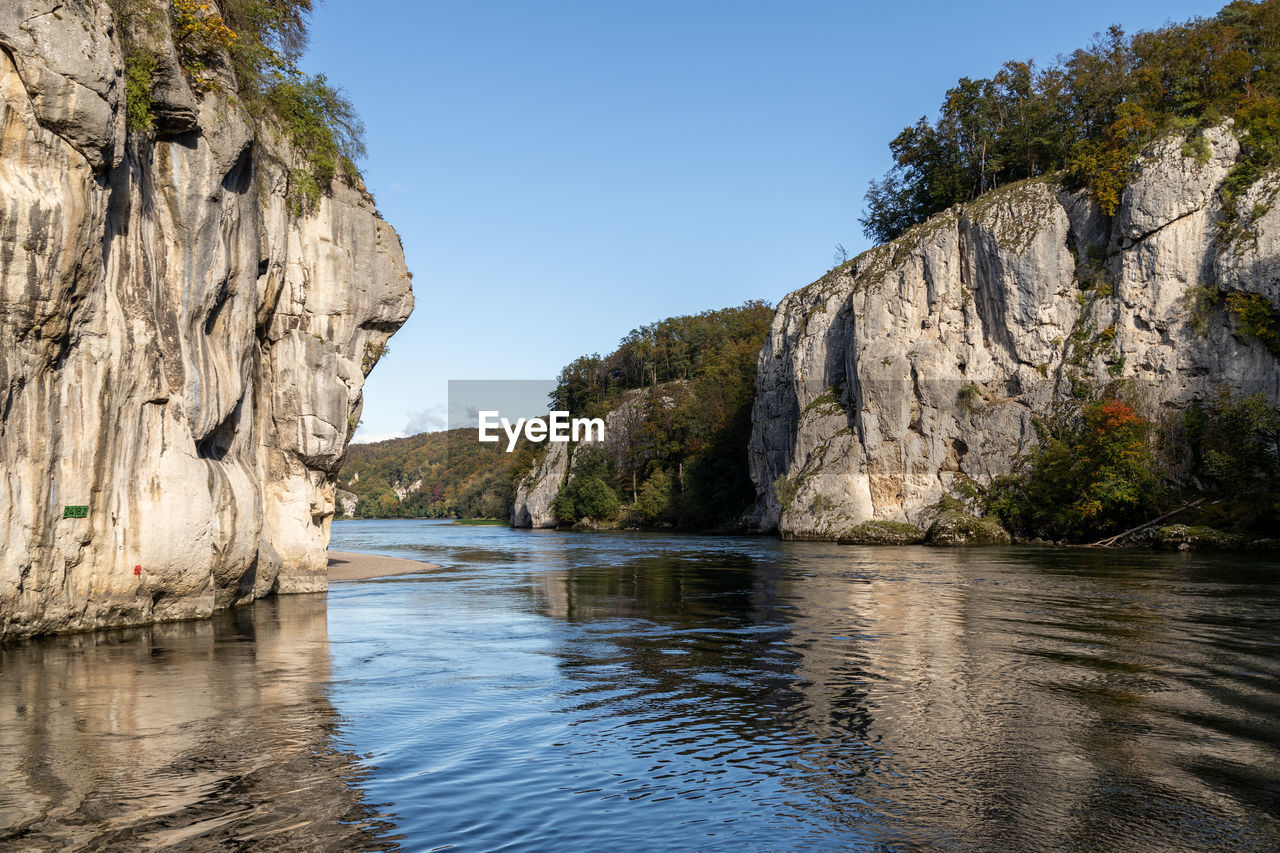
point(626, 691)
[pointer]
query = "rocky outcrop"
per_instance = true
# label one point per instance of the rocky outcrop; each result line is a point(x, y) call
point(955, 527)
point(1183, 537)
point(537, 490)
point(401, 491)
point(183, 352)
point(877, 531)
point(922, 363)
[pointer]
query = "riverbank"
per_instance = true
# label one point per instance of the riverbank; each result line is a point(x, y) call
point(350, 566)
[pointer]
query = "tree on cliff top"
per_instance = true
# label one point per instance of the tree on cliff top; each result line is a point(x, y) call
point(260, 41)
point(1088, 117)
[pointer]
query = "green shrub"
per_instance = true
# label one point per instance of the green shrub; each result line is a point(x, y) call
point(594, 499)
point(139, 66)
point(1257, 318)
point(588, 493)
point(1091, 473)
point(969, 397)
point(654, 503)
point(1197, 148)
point(586, 497)
point(1234, 444)
point(322, 126)
point(372, 354)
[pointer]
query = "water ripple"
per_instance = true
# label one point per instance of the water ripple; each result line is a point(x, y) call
point(586, 692)
point(651, 692)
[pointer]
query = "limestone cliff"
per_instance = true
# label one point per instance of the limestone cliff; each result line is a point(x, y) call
point(183, 351)
point(925, 360)
point(537, 490)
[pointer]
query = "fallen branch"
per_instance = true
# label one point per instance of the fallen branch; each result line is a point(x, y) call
point(1111, 540)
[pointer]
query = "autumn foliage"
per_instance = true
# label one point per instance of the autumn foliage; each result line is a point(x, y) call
point(1092, 473)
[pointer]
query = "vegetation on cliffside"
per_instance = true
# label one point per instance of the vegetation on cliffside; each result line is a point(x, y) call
point(1100, 468)
point(256, 43)
point(686, 465)
point(1088, 116)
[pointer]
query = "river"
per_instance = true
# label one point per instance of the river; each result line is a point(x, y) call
point(629, 691)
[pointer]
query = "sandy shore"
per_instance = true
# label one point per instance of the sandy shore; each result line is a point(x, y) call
point(346, 566)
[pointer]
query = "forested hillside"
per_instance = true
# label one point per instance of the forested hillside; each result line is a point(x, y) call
point(687, 462)
point(433, 475)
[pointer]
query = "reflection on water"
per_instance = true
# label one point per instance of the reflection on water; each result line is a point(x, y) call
point(584, 692)
point(588, 692)
point(206, 735)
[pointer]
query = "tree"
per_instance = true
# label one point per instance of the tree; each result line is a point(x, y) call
point(1090, 116)
point(1091, 473)
point(594, 499)
point(1235, 446)
point(654, 503)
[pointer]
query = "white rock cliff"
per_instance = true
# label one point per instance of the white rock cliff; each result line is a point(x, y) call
point(925, 360)
point(534, 503)
point(180, 351)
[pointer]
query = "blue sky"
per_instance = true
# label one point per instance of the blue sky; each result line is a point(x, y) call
point(562, 172)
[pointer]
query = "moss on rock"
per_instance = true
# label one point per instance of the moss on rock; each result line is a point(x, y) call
point(881, 532)
point(954, 527)
point(1183, 537)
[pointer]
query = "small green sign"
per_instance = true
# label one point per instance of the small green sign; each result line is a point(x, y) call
point(75, 512)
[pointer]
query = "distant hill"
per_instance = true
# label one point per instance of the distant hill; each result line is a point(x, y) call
point(432, 475)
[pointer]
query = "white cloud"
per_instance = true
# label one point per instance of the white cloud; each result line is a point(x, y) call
point(431, 419)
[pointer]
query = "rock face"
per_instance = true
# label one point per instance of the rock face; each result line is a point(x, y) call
point(924, 361)
point(537, 490)
point(180, 351)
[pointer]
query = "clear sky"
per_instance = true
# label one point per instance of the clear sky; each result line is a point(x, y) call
point(562, 172)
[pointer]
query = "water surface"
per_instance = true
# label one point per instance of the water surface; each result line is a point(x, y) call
point(587, 692)
point(213, 735)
